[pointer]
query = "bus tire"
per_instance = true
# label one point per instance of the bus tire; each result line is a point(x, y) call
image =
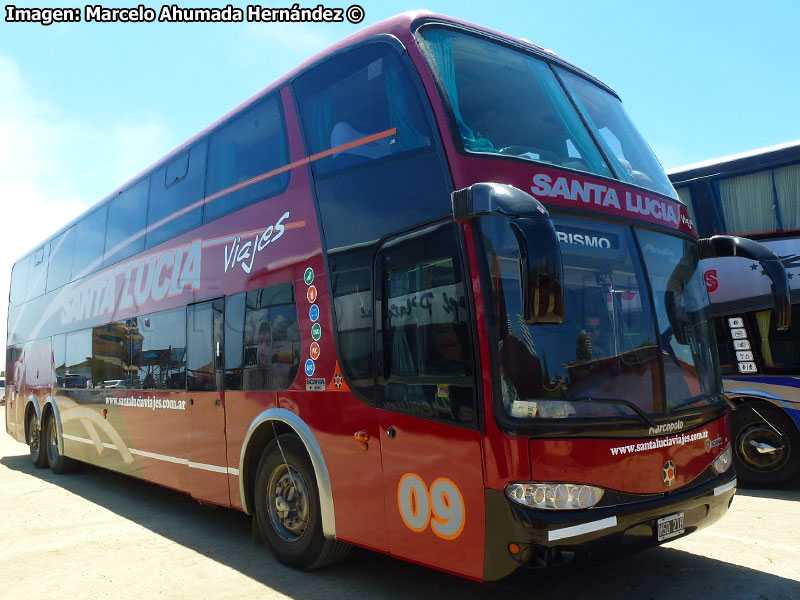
point(765, 469)
point(35, 436)
point(59, 463)
point(288, 510)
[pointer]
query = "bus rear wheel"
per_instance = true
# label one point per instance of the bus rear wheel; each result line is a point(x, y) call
point(288, 509)
point(58, 462)
point(35, 450)
point(766, 451)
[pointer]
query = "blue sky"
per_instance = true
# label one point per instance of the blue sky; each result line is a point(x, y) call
point(84, 107)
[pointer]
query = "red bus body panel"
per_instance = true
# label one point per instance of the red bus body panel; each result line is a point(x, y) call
point(633, 466)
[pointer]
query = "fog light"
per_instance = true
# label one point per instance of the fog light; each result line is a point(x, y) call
point(723, 462)
point(554, 496)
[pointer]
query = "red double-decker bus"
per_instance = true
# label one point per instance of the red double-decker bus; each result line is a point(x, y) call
point(429, 294)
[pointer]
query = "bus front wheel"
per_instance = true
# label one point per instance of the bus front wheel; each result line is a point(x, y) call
point(766, 446)
point(288, 509)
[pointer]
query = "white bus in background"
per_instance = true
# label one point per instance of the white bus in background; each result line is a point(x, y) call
point(757, 195)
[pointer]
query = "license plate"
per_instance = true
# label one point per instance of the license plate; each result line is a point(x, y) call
point(671, 526)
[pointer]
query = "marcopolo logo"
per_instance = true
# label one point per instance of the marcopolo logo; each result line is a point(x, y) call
point(666, 428)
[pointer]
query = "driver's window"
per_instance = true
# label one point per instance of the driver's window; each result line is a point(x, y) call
point(425, 343)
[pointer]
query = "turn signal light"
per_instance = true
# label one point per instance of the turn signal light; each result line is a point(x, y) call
point(723, 462)
point(554, 496)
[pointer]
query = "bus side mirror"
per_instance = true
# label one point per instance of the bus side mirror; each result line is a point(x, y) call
point(541, 268)
point(721, 246)
point(541, 271)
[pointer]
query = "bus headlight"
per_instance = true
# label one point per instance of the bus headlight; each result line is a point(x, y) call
point(554, 496)
point(723, 462)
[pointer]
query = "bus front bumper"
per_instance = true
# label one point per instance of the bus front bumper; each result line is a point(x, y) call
point(517, 536)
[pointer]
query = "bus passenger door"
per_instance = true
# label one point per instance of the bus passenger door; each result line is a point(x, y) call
point(429, 419)
point(208, 462)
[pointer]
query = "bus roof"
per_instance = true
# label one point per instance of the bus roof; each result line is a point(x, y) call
point(399, 26)
point(743, 161)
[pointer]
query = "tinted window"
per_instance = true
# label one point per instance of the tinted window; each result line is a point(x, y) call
point(723, 339)
point(158, 349)
point(427, 357)
point(59, 271)
point(364, 105)
point(201, 338)
point(19, 281)
point(271, 339)
point(168, 196)
point(683, 318)
point(506, 102)
point(234, 341)
point(37, 271)
point(60, 357)
point(127, 215)
point(382, 182)
point(253, 144)
point(78, 358)
point(12, 356)
point(633, 159)
point(90, 233)
point(780, 350)
point(351, 280)
point(111, 353)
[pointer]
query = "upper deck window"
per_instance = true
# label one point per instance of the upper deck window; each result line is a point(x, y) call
point(169, 196)
point(127, 217)
point(510, 103)
point(507, 102)
point(633, 159)
point(252, 144)
point(90, 236)
point(363, 106)
point(59, 270)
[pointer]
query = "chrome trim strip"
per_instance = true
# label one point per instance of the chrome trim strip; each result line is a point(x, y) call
point(163, 457)
point(724, 488)
point(575, 530)
point(317, 460)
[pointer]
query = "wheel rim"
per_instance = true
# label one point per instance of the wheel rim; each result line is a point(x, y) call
point(52, 441)
point(287, 501)
point(761, 435)
point(33, 434)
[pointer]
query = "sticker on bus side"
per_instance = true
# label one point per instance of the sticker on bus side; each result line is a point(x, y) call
point(315, 384)
point(442, 507)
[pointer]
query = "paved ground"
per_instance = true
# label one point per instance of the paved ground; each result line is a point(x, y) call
point(95, 534)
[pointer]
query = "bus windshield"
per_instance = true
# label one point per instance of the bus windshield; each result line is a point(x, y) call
point(507, 102)
point(617, 342)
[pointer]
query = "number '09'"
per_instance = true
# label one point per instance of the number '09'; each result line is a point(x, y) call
point(442, 507)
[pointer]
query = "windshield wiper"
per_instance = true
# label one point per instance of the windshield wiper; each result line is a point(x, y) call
point(703, 397)
point(645, 417)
